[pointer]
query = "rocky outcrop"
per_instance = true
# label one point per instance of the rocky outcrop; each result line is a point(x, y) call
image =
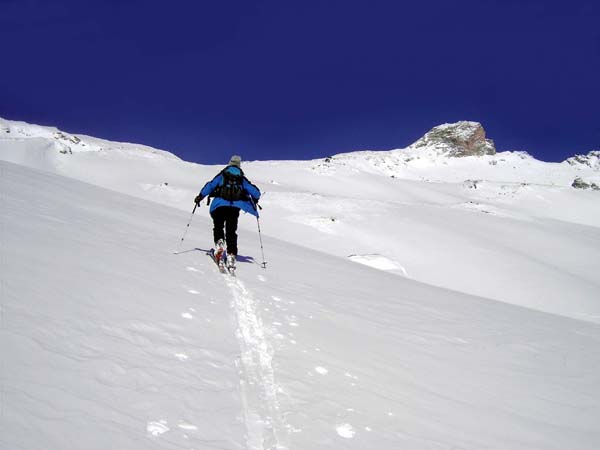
point(591, 160)
point(578, 183)
point(457, 140)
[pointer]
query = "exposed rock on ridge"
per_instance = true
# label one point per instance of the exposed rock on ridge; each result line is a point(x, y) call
point(591, 160)
point(457, 139)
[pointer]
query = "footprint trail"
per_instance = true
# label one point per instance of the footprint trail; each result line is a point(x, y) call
point(259, 389)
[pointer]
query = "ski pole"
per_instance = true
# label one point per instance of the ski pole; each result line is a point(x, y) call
point(262, 250)
point(187, 228)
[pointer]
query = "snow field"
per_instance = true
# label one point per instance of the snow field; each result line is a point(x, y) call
point(470, 320)
point(401, 365)
point(118, 341)
point(103, 341)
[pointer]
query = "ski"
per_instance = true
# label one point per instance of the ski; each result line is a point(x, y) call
point(221, 264)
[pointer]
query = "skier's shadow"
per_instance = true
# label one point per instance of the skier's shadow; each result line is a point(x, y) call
point(246, 259)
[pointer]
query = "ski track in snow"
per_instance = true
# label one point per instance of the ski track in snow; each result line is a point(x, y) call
point(259, 389)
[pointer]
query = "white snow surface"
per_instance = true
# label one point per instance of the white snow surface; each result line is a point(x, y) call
point(471, 321)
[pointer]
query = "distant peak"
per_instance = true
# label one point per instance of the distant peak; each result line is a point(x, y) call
point(458, 139)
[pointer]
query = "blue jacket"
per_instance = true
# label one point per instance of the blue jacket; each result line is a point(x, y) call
point(245, 205)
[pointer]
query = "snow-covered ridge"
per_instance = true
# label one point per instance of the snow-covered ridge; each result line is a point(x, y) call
point(591, 160)
point(426, 164)
point(459, 152)
point(136, 169)
point(447, 153)
point(67, 143)
point(443, 145)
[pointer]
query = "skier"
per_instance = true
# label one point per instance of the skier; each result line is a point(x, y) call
point(230, 191)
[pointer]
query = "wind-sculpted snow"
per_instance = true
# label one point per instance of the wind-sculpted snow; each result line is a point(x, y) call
point(108, 339)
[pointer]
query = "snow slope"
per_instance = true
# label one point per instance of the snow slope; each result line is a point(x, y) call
point(109, 339)
point(505, 226)
point(411, 301)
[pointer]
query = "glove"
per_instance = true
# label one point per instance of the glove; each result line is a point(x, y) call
point(198, 199)
point(255, 203)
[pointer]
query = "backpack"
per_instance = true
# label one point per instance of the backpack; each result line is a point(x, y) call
point(231, 187)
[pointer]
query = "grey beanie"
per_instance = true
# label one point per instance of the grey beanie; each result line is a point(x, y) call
point(235, 160)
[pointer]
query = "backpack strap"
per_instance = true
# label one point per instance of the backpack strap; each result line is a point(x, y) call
point(222, 172)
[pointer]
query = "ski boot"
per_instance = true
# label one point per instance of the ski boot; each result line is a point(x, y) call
point(230, 262)
point(220, 253)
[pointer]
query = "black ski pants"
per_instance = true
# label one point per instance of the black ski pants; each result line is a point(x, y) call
point(226, 217)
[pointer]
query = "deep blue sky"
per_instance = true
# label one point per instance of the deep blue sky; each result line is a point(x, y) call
point(282, 79)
